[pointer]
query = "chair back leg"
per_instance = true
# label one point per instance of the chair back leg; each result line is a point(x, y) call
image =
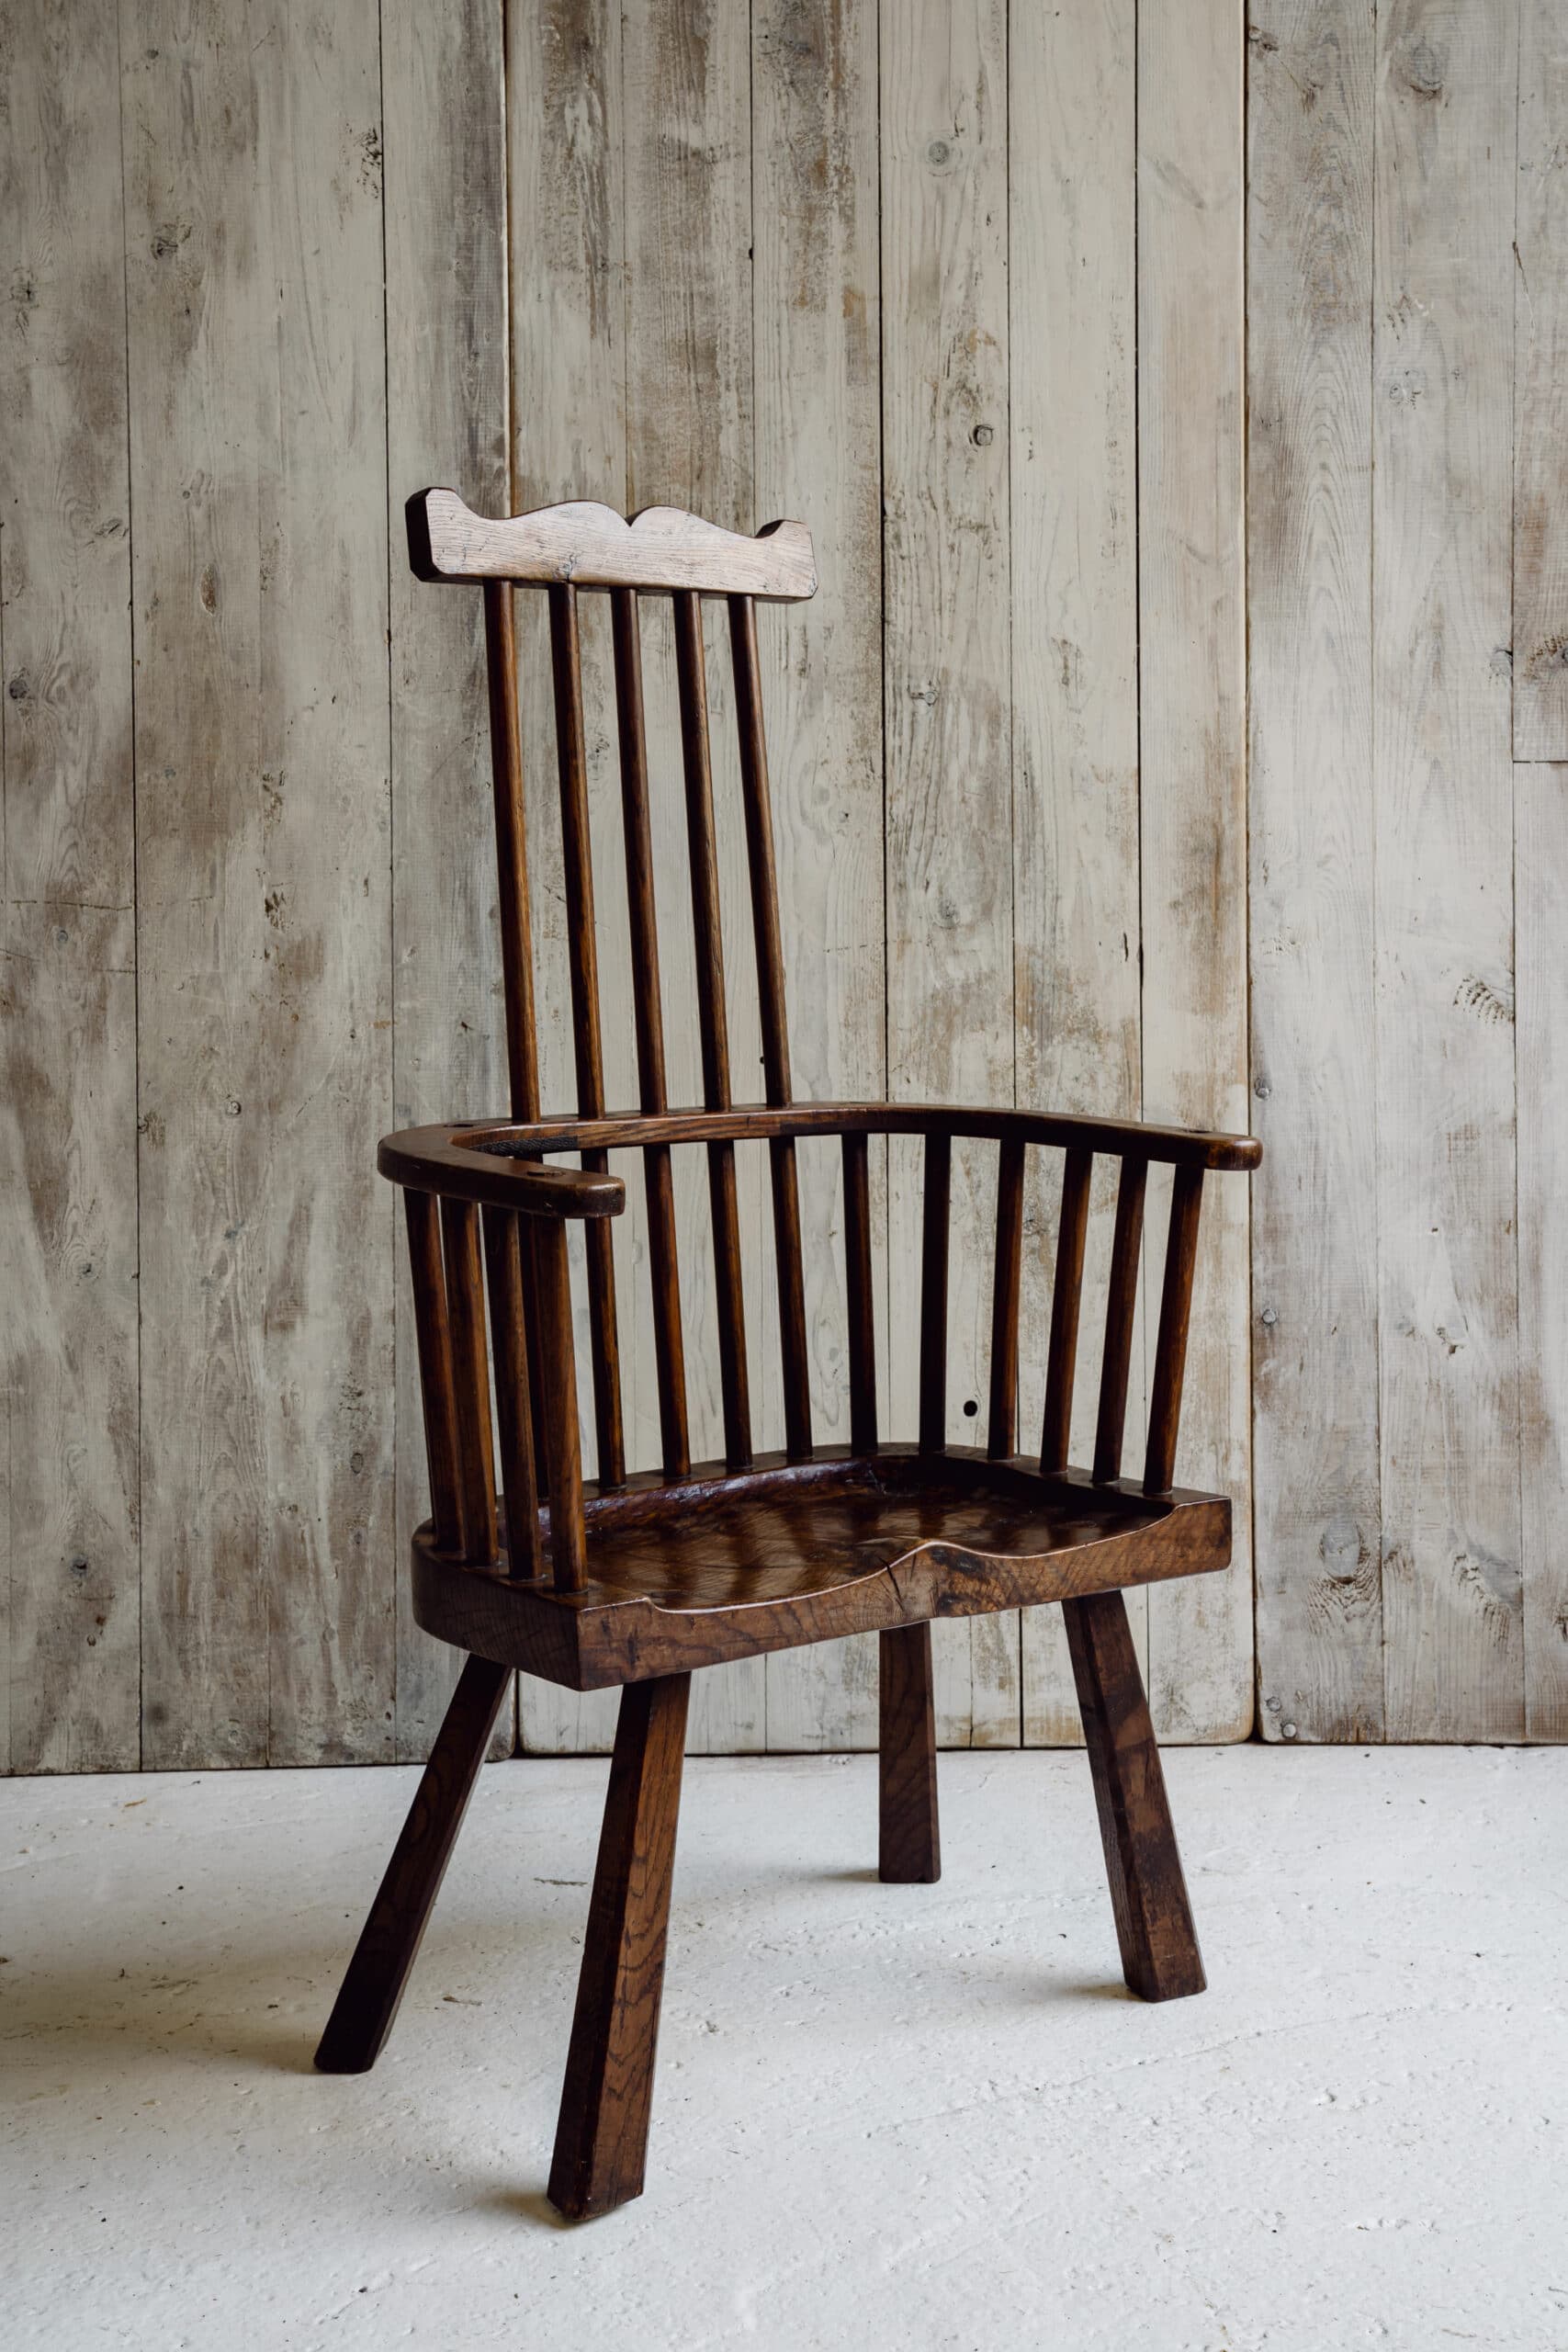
point(602, 2136)
point(909, 1846)
point(362, 2013)
point(1153, 1920)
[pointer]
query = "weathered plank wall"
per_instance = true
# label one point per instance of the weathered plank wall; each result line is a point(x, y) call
point(1409, 607)
point(962, 283)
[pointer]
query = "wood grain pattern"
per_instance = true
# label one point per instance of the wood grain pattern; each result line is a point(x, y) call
point(445, 136)
point(1315, 1085)
point(1072, 341)
point(1443, 786)
point(1192, 725)
point(816, 280)
point(947, 684)
point(601, 2137)
point(258, 346)
point(70, 1631)
point(1540, 795)
point(1540, 389)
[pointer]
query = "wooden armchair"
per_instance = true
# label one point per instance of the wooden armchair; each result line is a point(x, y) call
point(636, 1580)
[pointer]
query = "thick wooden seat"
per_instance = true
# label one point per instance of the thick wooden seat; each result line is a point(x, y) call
point(716, 1565)
point(638, 1577)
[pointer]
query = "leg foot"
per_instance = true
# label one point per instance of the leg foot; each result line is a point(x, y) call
point(909, 1848)
point(1148, 1894)
point(601, 2137)
point(362, 2013)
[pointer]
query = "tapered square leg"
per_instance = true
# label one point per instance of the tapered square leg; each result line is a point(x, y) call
point(909, 1845)
point(1148, 1894)
point(362, 2013)
point(601, 2137)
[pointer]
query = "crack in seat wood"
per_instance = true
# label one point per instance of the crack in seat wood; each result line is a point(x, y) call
point(638, 1579)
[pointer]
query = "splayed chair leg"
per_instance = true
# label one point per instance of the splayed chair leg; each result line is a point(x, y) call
point(601, 2137)
point(909, 1848)
point(362, 2013)
point(1148, 1894)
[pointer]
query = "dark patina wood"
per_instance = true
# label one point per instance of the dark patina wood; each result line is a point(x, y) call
point(637, 1578)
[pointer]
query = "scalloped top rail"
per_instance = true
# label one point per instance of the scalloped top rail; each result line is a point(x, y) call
point(661, 549)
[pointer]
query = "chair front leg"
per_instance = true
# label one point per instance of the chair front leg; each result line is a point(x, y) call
point(601, 2137)
point(1154, 1921)
point(909, 1845)
point(362, 2013)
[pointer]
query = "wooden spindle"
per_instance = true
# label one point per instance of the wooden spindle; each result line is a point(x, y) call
point(1121, 1308)
point(513, 1401)
point(760, 864)
point(565, 665)
point(1175, 1316)
point(435, 1344)
point(512, 853)
point(861, 1294)
point(470, 1377)
point(668, 1345)
point(1006, 1273)
point(713, 1024)
point(568, 1537)
point(1067, 1296)
point(933, 1293)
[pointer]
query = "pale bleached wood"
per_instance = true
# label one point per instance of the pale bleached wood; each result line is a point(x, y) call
point(1190, 442)
point(1540, 392)
point(591, 546)
point(1443, 784)
point(686, 130)
point(1540, 800)
point(257, 359)
point(1073, 361)
point(567, 263)
point(446, 408)
point(947, 689)
point(69, 1563)
point(1314, 1081)
point(816, 329)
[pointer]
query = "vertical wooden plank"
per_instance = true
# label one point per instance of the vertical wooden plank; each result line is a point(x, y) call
point(1191, 637)
point(447, 422)
point(815, 307)
point(69, 1555)
point(1443, 786)
point(259, 471)
point(1072, 349)
point(566, 195)
point(1314, 1081)
point(687, 141)
point(1540, 393)
point(1542, 860)
point(949, 785)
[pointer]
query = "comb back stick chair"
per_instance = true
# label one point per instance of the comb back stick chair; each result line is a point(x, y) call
point(637, 1579)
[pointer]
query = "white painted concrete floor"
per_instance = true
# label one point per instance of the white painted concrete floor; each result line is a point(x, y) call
point(888, 2117)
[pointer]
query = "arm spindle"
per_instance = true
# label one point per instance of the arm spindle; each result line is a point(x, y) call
point(933, 1293)
point(1175, 1316)
point(1004, 1300)
point(471, 1378)
point(1122, 1307)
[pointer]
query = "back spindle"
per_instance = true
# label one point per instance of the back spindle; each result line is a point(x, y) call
point(712, 1025)
point(1066, 1294)
point(862, 1297)
point(514, 1400)
point(471, 1378)
point(775, 1026)
point(512, 853)
point(435, 1342)
point(933, 1293)
point(566, 663)
point(669, 1346)
point(1120, 1310)
point(1009, 1266)
point(1175, 1314)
